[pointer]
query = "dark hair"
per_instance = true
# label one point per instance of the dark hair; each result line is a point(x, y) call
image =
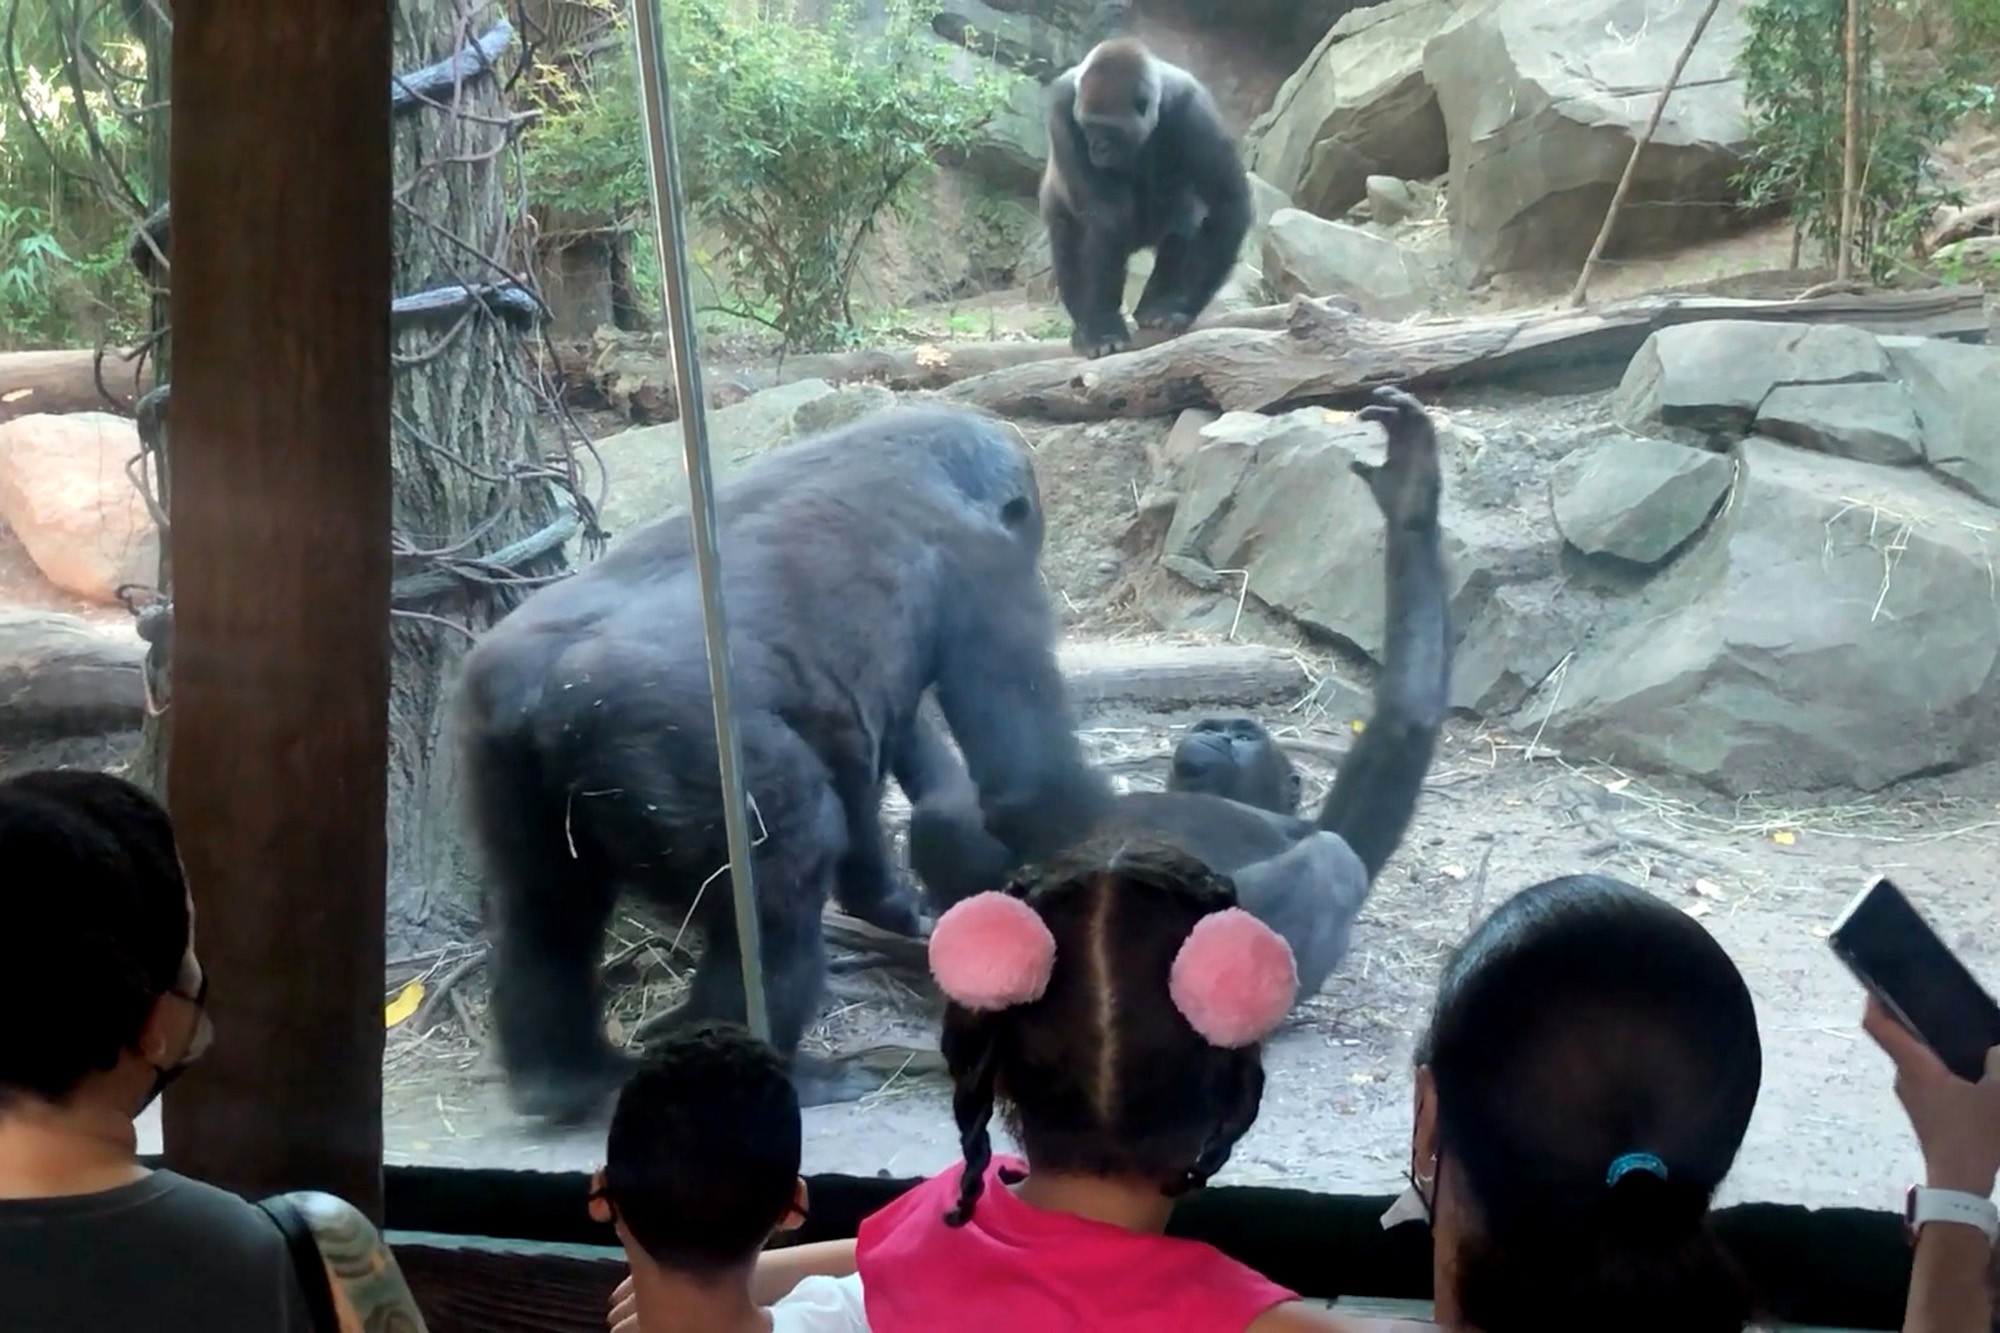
point(702, 1162)
point(1103, 1076)
point(96, 918)
point(1585, 1021)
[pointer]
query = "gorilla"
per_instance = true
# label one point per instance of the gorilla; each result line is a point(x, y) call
point(860, 569)
point(1138, 160)
point(1233, 797)
point(1237, 759)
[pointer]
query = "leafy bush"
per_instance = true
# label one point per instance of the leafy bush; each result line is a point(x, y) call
point(795, 140)
point(69, 150)
point(1794, 67)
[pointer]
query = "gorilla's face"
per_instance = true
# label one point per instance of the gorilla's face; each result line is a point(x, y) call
point(1235, 757)
point(1117, 109)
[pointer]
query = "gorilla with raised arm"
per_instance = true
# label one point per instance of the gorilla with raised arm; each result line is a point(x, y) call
point(860, 569)
point(1233, 796)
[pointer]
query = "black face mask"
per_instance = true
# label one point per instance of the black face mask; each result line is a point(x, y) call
point(163, 1077)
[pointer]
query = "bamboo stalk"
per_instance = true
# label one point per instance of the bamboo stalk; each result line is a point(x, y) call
point(1850, 159)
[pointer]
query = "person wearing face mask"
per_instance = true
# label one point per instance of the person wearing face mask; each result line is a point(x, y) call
point(105, 998)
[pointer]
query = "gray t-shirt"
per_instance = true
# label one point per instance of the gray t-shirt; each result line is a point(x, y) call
point(165, 1254)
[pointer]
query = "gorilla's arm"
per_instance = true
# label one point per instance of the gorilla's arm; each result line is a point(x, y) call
point(1310, 895)
point(1212, 170)
point(1375, 793)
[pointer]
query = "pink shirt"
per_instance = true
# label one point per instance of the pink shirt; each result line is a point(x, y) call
point(1015, 1267)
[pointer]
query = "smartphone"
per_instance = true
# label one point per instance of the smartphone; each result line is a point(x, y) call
point(1902, 962)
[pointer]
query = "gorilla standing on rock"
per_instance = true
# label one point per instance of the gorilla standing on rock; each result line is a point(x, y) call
point(1232, 798)
point(1138, 160)
point(859, 569)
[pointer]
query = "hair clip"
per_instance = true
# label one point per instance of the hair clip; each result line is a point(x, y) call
point(992, 951)
point(1635, 1161)
point(1234, 979)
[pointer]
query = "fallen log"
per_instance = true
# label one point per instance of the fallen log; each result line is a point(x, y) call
point(1959, 224)
point(66, 381)
point(1325, 355)
point(1161, 677)
point(62, 677)
point(628, 373)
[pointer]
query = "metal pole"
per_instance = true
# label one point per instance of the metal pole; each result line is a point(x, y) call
point(670, 234)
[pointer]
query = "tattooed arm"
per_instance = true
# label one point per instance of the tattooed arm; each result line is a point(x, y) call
point(369, 1294)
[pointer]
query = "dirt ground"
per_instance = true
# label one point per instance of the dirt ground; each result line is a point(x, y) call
point(1767, 881)
point(1500, 813)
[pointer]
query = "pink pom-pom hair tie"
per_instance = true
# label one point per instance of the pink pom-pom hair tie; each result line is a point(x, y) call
point(1234, 979)
point(992, 951)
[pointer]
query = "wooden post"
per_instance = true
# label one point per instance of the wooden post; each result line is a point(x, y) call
point(279, 418)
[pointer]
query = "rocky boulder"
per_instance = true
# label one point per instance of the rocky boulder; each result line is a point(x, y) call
point(1541, 105)
point(646, 478)
point(1271, 503)
point(1359, 106)
point(1636, 500)
point(1830, 388)
point(1955, 393)
point(65, 492)
point(1309, 256)
point(1013, 147)
point(1835, 626)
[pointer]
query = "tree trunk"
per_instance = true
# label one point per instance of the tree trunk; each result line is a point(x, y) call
point(464, 425)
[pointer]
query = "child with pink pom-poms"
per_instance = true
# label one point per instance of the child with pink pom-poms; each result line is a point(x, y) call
point(1111, 1009)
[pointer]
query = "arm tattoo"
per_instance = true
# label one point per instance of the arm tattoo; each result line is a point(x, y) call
point(368, 1287)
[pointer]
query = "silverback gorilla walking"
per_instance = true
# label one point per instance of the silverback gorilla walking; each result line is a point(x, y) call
point(1138, 160)
point(1232, 796)
point(859, 569)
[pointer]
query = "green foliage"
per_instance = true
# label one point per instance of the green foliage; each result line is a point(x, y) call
point(795, 138)
point(1794, 68)
point(69, 147)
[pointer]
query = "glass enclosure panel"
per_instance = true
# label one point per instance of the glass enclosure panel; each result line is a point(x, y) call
point(1719, 570)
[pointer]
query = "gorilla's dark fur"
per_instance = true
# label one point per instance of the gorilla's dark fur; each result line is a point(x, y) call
point(859, 569)
point(1138, 160)
point(1235, 802)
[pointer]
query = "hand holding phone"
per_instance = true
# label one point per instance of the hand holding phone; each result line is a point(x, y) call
point(1917, 979)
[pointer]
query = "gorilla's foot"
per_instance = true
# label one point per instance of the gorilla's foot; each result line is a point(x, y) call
point(571, 1096)
point(898, 911)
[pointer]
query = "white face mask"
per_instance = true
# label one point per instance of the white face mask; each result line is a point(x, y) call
point(1410, 1206)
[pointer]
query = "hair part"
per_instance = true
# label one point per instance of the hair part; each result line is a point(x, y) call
point(702, 1160)
point(1584, 1020)
point(1102, 1076)
point(97, 912)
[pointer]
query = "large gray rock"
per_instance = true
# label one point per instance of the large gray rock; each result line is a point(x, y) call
point(1835, 626)
point(1636, 500)
point(1359, 106)
point(1013, 147)
point(1271, 503)
point(646, 479)
point(1869, 421)
point(1511, 643)
point(1956, 392)
point(1309, 256)
point(1541, 106)
point(1715, 375)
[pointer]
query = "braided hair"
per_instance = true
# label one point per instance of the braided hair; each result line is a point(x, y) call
point(1102, 1076)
